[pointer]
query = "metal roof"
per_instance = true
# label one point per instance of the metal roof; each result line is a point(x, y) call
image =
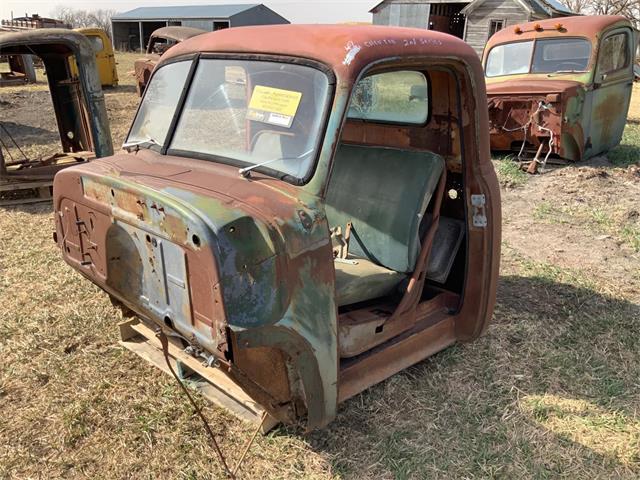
point(558, 6)
point(188, 11)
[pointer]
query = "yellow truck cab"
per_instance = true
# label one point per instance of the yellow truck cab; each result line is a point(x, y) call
point(105, 58)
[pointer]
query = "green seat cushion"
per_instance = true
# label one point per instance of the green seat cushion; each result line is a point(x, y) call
point(363, 281)
point(384, 192)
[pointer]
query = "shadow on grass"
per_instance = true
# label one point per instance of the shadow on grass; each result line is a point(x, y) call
point(552, 387)
point(26, 135)
point(120, 89)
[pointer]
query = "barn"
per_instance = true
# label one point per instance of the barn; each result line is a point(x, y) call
point(132, 29)
point(473, 21)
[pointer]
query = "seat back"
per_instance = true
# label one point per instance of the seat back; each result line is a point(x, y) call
point(384, 192)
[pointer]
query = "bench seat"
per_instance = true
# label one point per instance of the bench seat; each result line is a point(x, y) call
point(363, 280)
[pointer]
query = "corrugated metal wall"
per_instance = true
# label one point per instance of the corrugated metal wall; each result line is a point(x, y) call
point(415, 15)
point(203, 24)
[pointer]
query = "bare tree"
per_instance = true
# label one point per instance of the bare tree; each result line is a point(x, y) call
point(578, 6)
point(627, 8)
point(77, 18)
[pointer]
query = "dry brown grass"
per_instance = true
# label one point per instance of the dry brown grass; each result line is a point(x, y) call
point(551, 391)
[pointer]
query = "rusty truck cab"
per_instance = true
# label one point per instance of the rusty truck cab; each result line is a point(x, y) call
point(312, 230)
point(560, 86)
point(78, 103)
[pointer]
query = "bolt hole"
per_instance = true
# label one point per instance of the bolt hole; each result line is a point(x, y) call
point(68, 250)
point(196, 240)
point(148, 239)
point(113, 194)
point(379, 328)
point(168, 322)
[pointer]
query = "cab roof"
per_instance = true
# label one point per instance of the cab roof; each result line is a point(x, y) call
point(347, 49)
point(582, 26)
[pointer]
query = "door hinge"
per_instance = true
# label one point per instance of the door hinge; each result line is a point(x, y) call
point(478, 203)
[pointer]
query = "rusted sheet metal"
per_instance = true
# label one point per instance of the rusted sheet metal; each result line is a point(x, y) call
point(144, 66)
point(78, 102)
point(242, 265)
point(347, 49)
point(574, 115)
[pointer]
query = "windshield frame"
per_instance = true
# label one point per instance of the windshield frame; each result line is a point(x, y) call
point(266, 170)
point(533, 55)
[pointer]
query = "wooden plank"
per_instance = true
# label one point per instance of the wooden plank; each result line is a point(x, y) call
point(8, 186)
point(212, 383)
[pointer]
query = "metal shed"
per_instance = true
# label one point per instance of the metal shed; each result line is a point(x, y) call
point(132, 29)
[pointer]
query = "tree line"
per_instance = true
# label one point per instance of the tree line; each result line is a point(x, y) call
point(79, 18)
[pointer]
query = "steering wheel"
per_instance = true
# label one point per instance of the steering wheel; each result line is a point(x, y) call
point(572, 65)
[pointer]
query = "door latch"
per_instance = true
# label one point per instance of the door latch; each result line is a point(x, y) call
point(478, 203)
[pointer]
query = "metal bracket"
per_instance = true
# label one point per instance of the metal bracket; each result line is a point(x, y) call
point(340, 241)
point(478, 203)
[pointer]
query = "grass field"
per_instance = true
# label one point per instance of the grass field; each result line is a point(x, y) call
point(552, 391)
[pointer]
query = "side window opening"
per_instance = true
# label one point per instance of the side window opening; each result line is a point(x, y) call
point(392, 97)
point(389, 199)
point(614, 53)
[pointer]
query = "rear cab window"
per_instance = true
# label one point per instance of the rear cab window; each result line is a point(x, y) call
point(392, 97)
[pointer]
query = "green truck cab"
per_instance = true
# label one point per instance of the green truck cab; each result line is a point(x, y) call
point(326, 222)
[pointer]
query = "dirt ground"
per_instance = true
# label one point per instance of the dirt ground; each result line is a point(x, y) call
point(551, 391)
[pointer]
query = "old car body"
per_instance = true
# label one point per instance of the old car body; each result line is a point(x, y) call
point(78, 103)
point(161, 40)
point(560, 86)
point(105, 57)
point(312, 231)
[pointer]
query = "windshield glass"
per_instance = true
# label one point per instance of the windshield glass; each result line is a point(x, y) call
point(241, 112)
point(550, 55)
point(160, 101)
point(561, 55)
point(509, 59)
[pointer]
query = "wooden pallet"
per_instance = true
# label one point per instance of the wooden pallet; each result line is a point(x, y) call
point(212, 383)
point(41, 189)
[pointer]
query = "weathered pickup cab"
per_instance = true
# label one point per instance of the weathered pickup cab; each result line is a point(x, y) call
point(560, 86)
point(328, 222)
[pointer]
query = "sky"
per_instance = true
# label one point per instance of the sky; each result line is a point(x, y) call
point(314, 11)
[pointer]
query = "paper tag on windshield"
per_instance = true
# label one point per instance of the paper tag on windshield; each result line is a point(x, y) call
point(274, 106)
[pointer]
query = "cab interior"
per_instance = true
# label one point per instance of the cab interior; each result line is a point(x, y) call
point(396, 209)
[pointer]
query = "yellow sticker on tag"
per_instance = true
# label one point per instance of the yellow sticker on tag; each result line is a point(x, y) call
point(274, 105)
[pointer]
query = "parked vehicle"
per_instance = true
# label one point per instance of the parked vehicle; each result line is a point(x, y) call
point(161, 40)
point(311, 231)
point(78, 103)
point(105, 57)
point(560, 86)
